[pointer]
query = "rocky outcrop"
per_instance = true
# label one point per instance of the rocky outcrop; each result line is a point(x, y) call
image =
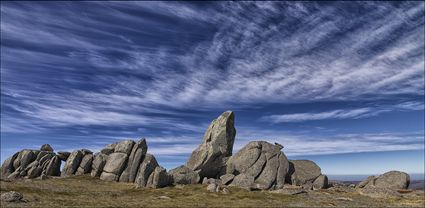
point(184, 175)
point(303, 173)
point(217, 144)
point(85, 164)
point(145, 170)
point(320, 182)
point(53, 167)
point(31, 164)
point(114, 166)
point(98, 163)
point(109, 149)
point(388, 180)
point(72, 163)
point(136, 156)
point(261, 161)
point(158, 178)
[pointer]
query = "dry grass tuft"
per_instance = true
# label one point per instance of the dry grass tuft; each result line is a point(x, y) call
point(85, 191)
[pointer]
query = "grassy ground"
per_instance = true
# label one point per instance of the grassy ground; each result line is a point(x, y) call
point(84, 191)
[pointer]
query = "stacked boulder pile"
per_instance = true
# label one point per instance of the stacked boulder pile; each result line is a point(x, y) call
point(32, 164)
point(259, 165)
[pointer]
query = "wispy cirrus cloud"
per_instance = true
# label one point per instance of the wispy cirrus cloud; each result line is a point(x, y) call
point(90, 71)
point(343, 113)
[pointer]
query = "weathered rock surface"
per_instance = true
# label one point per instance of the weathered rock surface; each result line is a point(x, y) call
point(388, 180)
point(145, 170)
point(63, 155)
point(321, 182)
point(184, 175)
point(136, 156)
point(26, 163)
point(72, 163)
point(244, 181)
point(158, 178)
point(98, 164)
point(11, 196)
point(227, 178)
point(109, 176)
point(109, 149)
point(85, 165)
point(7, 167)
point(124, 147)
point(114, 165)
point(262, 161)
point(302, 172)
point(217, 144)
point(369, 181)
point(53, 167)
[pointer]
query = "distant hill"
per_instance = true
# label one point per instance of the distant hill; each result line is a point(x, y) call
point(417, 184)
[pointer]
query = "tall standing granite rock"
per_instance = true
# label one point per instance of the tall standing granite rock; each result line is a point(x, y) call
point(136, 156)
point(217, 144)
point(263, 165)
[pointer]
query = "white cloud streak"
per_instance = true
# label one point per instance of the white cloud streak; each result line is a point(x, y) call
point(342, 113)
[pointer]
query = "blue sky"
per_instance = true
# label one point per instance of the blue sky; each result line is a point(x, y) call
point(340, 83)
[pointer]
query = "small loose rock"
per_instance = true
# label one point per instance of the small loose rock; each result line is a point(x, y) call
point(11, 196)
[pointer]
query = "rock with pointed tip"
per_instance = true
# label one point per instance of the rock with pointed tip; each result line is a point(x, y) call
point(217, 144)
